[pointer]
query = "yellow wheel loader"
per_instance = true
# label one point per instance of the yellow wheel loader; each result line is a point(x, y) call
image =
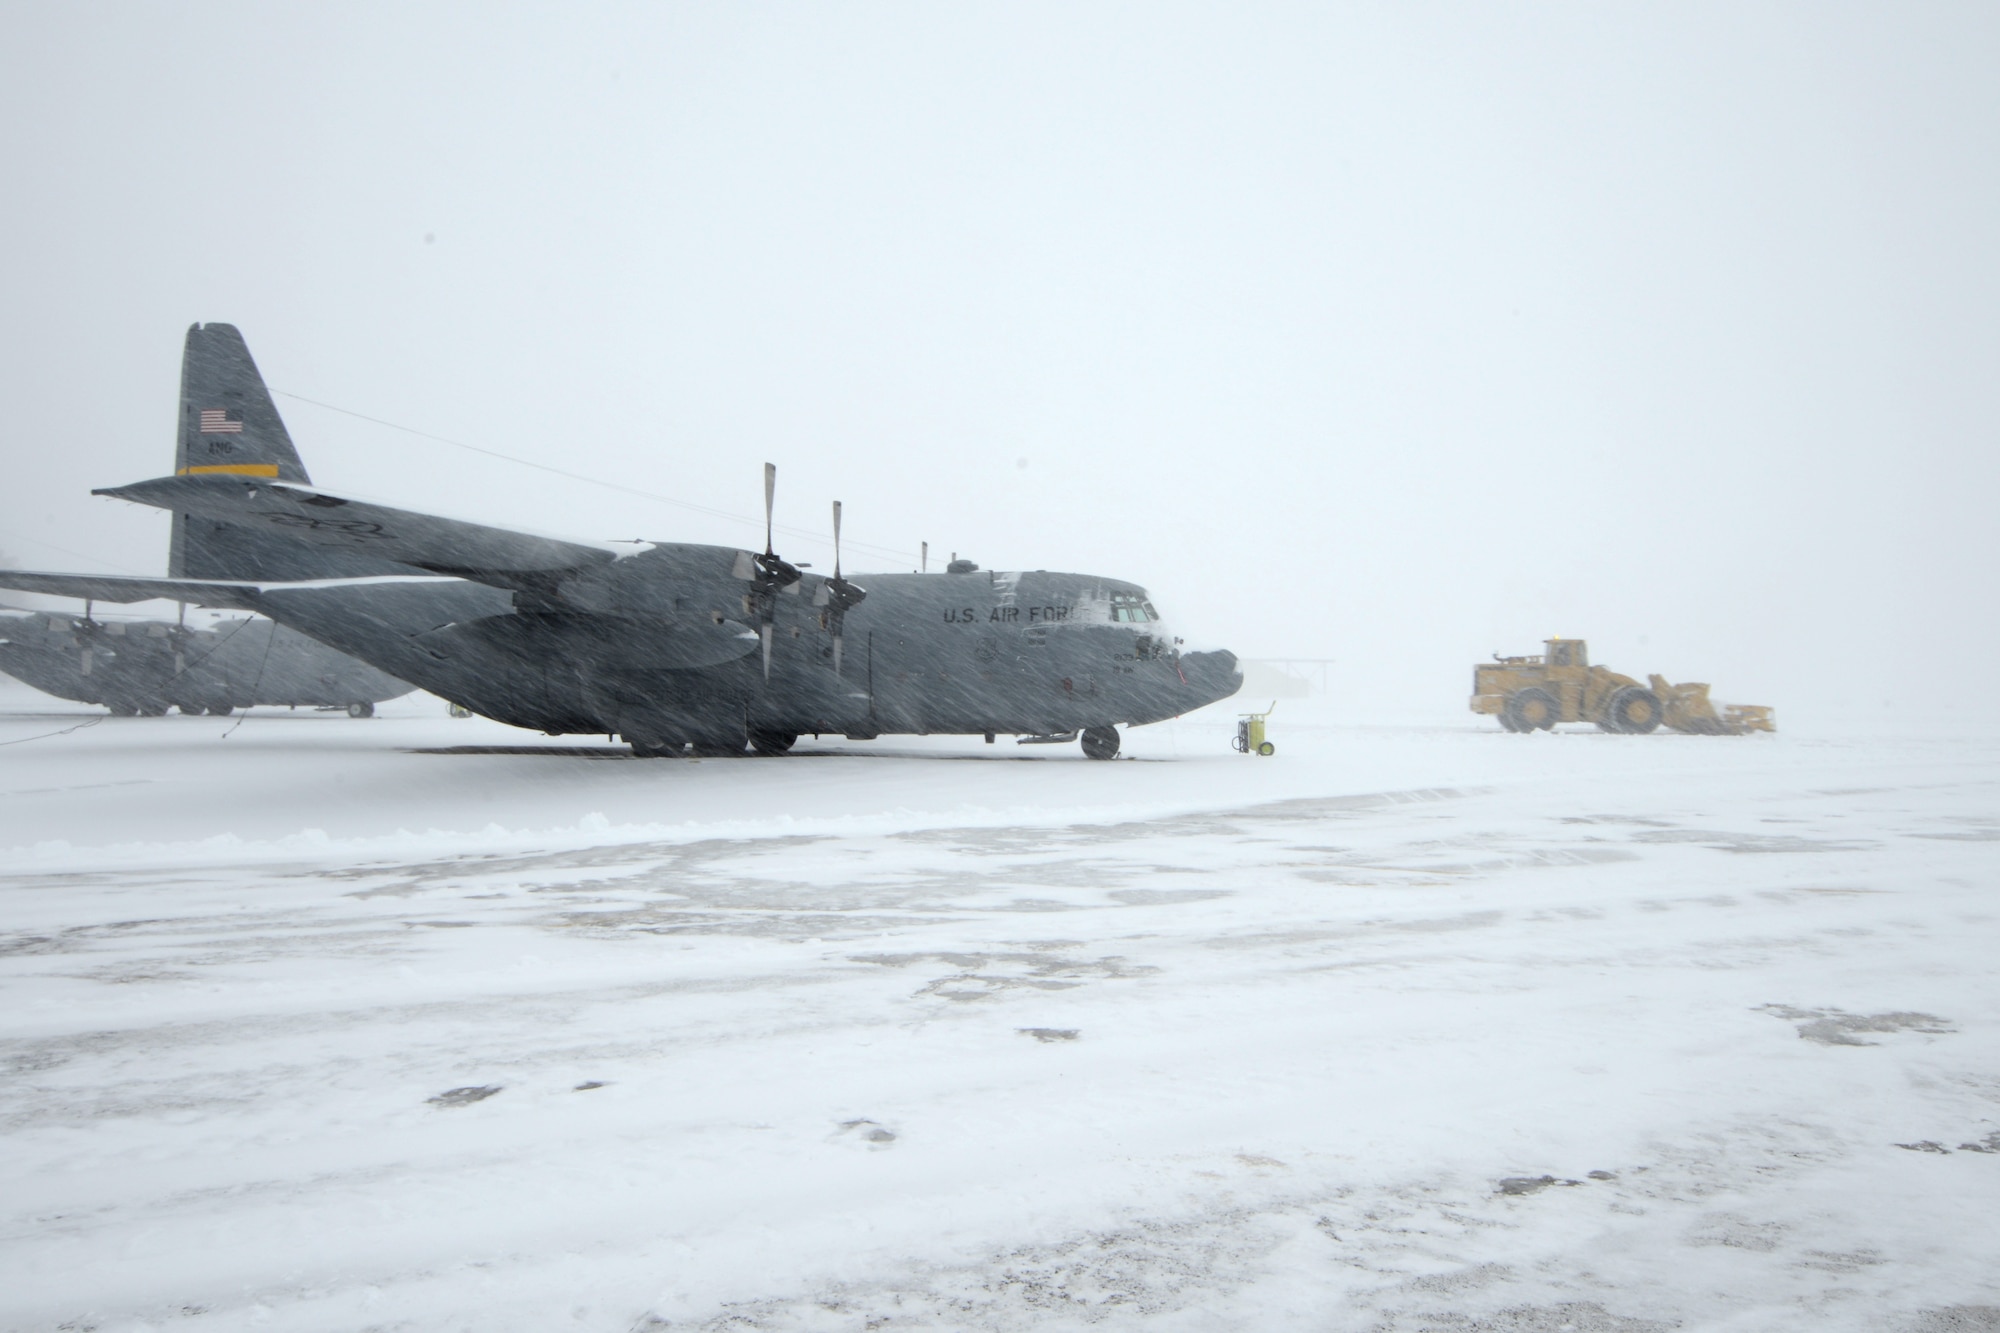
point(1560, 685)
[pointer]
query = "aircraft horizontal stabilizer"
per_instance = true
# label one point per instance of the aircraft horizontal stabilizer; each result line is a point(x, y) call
point(112, 588)
point(440, 545)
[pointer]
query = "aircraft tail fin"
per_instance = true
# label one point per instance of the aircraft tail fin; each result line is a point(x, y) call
point(228, 421)
point(229, 425)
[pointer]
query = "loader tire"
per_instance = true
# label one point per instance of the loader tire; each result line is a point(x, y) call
point(1532, 709)
point(1633, 711)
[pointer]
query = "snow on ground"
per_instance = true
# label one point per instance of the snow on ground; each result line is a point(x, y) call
point(314, 1023)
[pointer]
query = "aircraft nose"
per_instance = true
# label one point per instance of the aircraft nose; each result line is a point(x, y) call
point(1211, 675)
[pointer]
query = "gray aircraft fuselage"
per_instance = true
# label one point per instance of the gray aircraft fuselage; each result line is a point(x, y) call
point(661, 648)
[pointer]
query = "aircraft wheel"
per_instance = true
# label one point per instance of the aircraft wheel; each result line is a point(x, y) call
point(1633, 711)
point(1100, 742)
point(773, 742)
point(221, 710)
point(1532, 709)
point(123, 710)
point(152, 708)
point(361, 710)
point(654, 749)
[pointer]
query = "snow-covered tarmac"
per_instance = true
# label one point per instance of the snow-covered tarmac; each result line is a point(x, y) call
point(416, 1023)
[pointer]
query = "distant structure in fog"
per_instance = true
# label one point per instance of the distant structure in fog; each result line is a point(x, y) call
point(1284, 677)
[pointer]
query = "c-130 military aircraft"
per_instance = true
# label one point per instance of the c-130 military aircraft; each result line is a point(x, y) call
point(671, 646)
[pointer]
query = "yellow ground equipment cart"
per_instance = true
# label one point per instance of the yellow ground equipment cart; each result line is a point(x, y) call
point(1250, 733)
point(1560, 685)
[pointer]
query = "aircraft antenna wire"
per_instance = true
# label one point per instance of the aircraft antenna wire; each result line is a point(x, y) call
point(882, 551)
point(187, 666)
point(45, 735)
point(79, 555)
point(256, 684)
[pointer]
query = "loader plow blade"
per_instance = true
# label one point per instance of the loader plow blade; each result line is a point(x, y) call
point(1689, 710)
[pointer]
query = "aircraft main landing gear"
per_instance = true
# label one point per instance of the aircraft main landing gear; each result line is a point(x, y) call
point(1100, 742)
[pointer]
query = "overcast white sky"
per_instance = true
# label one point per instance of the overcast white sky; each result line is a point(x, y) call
point(1394, 334)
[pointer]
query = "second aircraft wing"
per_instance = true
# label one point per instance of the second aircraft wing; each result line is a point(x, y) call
point(117, 588)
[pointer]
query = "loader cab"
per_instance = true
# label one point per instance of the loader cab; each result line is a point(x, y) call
point(1566, 653)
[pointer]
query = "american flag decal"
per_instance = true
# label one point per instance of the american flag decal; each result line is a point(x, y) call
point(215, 421)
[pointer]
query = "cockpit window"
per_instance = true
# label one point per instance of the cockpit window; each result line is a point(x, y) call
point(1132, 607)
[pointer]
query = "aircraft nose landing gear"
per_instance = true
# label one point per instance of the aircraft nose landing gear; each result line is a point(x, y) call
point(1100, 742)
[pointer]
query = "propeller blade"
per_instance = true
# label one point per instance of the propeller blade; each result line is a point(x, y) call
point(837, 595)
point(770, 500)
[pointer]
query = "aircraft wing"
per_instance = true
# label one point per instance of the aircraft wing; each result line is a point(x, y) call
point(450, 546)
point(114, 588)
